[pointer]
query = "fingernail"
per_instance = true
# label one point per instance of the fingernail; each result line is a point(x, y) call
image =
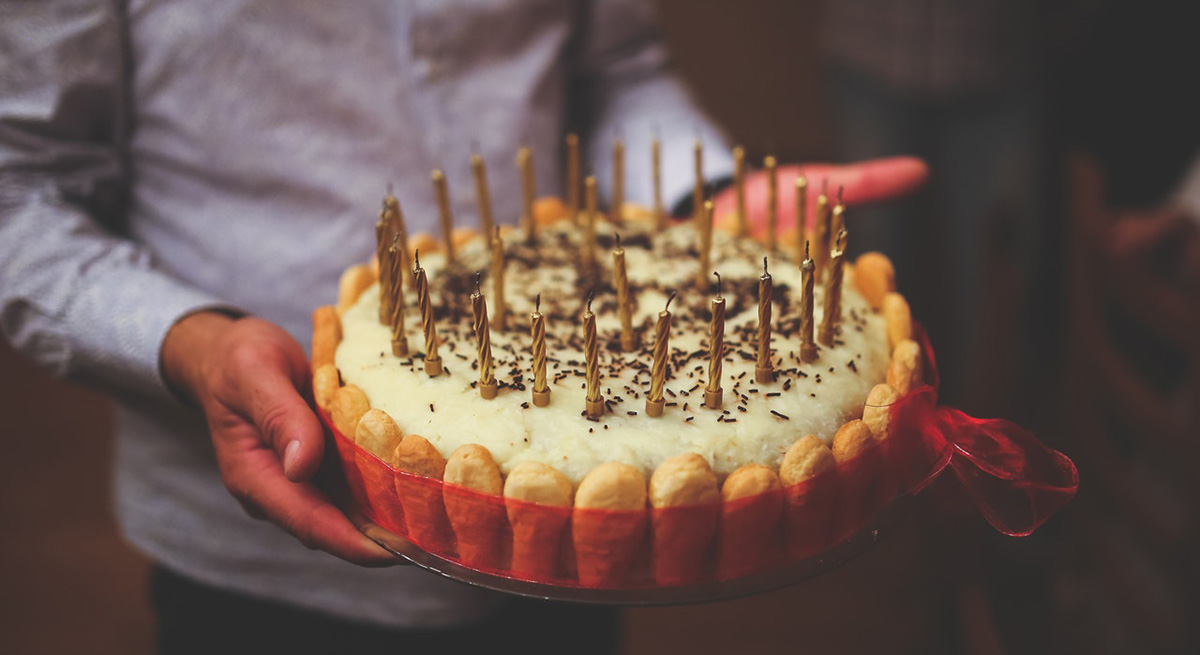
point(291, 455)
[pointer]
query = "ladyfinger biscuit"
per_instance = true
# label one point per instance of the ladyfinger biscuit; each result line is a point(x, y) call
point(806, 458)
point(377, 433)
point(904, 371)
point(608, 523)
point(808, 492)
point(877, 411)
point(327, 334)
point(851, 440)
point(476, 519)
point(897, 317)
point(753, 502)
point(419, 495)
point(348, 406)
point(686, 502)
point(354, 281)
point(548, 210)
point(424, 243)
point(632, 211)
point(685, 479)
point(462, 236)
point(325, 382)
point(537, 495)
point(414, 454)
point(875, 277)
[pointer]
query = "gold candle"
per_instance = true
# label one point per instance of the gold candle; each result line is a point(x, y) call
point(772, 203)
point(833, 292)
point(541, 391)
point(706, 234)
point(589, 244)
point(763, 370)
point(660, 213)
point(618, 188)
point(483, 337)
point(594, 403)
point(821, 232)
point(499, 263)
point(801, 217)
point(808, 348)
point(396, 217)
point(383, 235)
point(446, 218)
point(433, 362)
point(739, 185)
point(395, 275)
point(525, 163)
point(698, 190)
point(713, 393)
point(658, 371)
point(482, 195)
point(573, 176)
point(624, 303)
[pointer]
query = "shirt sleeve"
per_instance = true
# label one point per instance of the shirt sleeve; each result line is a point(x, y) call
point(76, 297)
point(624, 86)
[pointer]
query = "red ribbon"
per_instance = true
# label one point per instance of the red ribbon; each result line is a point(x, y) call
point(1015, 481)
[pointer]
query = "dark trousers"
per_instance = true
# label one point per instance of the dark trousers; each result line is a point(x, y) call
point(196, 618)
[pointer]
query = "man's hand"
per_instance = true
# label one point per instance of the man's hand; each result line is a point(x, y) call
point(247, 376)
point(861, 183)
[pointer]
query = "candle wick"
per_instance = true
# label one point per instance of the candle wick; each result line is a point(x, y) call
point(477, 274)
point(718, 283)
point(537, 303)
point(840, 187)
point(765, 273)
point(806, 249)
point(618, 240)
point(416, 260)
point(669, 299)
point(590, 295)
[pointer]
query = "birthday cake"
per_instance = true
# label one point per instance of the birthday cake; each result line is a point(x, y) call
point(631, 365)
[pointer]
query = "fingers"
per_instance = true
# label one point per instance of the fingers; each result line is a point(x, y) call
point(286, 423)
point(864, 182)
point(256, 479)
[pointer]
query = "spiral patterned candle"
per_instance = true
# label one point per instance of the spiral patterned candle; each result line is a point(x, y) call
point(801, 217)
point(541, 391)
point(382, 228)
point(395, 275)
point(499, 263)
point(658, 370)
point(528, 192)
point(763, 370)
point(739, 187)
point(660, 213)
point(573, 177)
point(483, 337)
point(808, 347)
point(713, 393)
point(706, 235)
point(833, 293)
point(821, 232)
point(624, 303)
point(445, 217)
point(618, 188)
point(698, 189)
point(589, 237)
point(483, 195)
point(433, 361)
point(591, 349)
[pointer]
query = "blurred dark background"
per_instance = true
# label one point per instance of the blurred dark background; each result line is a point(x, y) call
point(1083, 327)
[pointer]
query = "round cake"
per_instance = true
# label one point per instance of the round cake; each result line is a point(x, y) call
point(596, 365)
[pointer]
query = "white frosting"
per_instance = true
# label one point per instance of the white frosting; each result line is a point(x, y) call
point(816, 398)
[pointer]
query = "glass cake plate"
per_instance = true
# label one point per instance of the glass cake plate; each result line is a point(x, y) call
point(874, 531)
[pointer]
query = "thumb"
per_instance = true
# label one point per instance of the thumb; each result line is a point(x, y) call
point(287, 423)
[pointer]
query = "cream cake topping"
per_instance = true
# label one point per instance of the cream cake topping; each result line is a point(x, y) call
point(757, 423)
